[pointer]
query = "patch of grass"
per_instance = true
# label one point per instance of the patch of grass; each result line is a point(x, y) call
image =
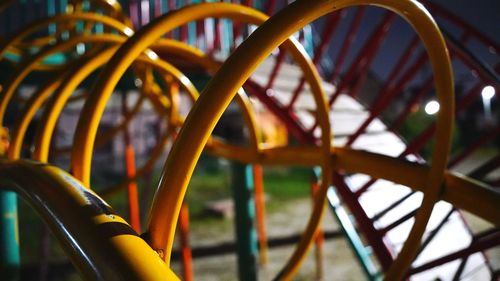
point(287, 183)
point(206, 187)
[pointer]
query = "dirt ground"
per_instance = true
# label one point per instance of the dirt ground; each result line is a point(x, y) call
point(339, 262)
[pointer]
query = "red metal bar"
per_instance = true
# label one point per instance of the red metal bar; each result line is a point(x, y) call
point(382, 213)
point(363, 60)
point(186, 255)
point(432, 234)
point(437, 9)
point(398, 222)
point(365, 55)
point(419, 141)
point(200, 31)
point(390, 88)
point(171, 5)
point(365, 187)
point(157, 11)
point(346, 45)
point(326, 35)
point(184, 33)
point(217, 35)
point(276, 68)
point(480, 245)
point(237, 27)
point(134, 13)
point(290, 120)
point(260, 212)
point(373, 237)
point(423, 137)
point(426, 88)
point(271, 5)
point(485, 73)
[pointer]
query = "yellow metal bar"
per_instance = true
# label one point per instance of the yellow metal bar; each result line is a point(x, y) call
point(100, 243)
point(49, 119)
point(29, 65)
point(29, 111)
point(126, 55)
point(58, 19)
point(237, 69)
point(458, 190)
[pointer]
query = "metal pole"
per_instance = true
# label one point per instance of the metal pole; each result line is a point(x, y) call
point(261, 213)
point(9, 234)
point(246, 238)
point(9, 240)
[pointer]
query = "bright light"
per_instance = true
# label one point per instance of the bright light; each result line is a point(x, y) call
point(432, 107)
point(152, 55)
point(128, 31)
point(488, 92)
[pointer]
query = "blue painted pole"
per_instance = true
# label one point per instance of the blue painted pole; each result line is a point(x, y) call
point(246, 237)
point(9, 239)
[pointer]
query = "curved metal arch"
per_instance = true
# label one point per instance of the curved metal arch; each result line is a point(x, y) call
point(87, 127)
point(34, 26)
point(253, 51)
point(100, 243)
point(144, 39)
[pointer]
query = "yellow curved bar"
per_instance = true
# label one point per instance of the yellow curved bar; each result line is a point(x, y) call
point(121, 61)
point(28, 66)
point(52, 111)
point(100, 243)
point(37, 25)
point(458, 190)
point(128, 52)
point(13, 45)
point(32, 105)
point(196, 56)
point(236, 70)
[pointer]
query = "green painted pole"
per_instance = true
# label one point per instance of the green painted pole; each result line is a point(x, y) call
point(9, 239)
point(246, 237)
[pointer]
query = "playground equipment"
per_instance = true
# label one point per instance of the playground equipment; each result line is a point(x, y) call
point(101, 236)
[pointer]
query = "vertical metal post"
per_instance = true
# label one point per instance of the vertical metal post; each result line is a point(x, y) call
point(9, 239)
point(260, 212)
point(187, 260)
point(133, 200)
point(319, 239)
point(9, 235)
point(246, 238)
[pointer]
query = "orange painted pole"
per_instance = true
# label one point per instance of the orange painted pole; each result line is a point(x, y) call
point(319, 238)
point(187, 260)
point(133, 200)
point(260, 213)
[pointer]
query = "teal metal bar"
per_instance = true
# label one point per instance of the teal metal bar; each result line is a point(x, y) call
point(9, 239)
point(51, 10)
point(246, 244)
point(362, 253)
